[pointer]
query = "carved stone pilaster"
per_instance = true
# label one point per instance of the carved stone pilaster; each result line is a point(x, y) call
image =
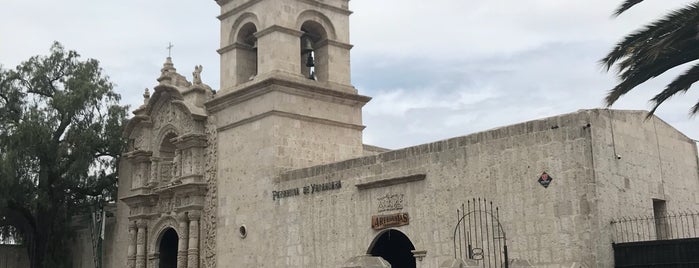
point(154, 177)
point(153, 260)
point(193, 252)
point(131, 249)
point(141, 244)
point(210, 200)
point(183, 241)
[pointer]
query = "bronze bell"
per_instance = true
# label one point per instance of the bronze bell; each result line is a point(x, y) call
point(307, 45)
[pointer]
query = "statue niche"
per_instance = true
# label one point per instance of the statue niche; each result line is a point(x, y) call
point(169, 159)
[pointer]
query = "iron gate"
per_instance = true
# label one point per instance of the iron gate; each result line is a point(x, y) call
point(478, 234)
point(666, 240)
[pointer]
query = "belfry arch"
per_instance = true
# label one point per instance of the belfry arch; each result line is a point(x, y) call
point(247, 55)
point(314, 51)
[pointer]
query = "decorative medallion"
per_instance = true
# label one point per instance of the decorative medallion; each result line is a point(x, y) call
point(545, 179)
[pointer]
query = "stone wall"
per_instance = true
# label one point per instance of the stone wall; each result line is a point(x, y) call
point(502, 165)
point(561, 225)
point(635, 161)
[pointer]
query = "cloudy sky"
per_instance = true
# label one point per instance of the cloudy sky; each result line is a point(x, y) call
point(436, 69)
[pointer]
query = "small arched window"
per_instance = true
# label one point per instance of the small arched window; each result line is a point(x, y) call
point(246, 57)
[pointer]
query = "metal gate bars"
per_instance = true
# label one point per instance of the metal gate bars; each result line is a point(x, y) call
point(478, 235)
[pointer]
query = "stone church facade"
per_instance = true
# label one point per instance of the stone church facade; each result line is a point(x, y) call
point(270, 169)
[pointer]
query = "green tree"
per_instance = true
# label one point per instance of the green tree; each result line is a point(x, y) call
point(60, 140)
point(664, 44)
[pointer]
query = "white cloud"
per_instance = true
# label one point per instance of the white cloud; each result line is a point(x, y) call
point(436, 69)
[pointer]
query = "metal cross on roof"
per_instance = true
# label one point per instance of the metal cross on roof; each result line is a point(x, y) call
point(169, 49)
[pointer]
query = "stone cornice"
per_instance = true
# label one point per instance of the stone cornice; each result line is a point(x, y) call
point(140, 200)
point(231, 47)
point(138, 155)
point(190, 140)
point(289, 115)
point(335, 44)
point(235, 10)
point(330, 7)
point(248, 4)
point(388, 182)
point(199, 188)
point(292, 87)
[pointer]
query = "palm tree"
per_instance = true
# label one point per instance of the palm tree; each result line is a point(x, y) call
point(664, 44)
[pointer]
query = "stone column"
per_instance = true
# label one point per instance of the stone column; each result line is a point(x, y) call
point(193, 239)
point(183, 238)
point(131, 250)
point(141, 244)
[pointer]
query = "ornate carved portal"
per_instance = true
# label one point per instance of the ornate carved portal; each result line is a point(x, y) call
point(169, 169)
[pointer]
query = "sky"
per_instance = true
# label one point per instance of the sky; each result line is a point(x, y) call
point(435, 69)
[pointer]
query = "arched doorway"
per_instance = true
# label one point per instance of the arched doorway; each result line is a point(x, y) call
point(395, 247)
point(168, 249)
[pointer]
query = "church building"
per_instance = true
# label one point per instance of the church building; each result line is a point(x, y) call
point(269, 169)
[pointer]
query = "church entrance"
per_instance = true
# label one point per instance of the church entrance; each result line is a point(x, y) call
point(394, 247)
point(168, 249)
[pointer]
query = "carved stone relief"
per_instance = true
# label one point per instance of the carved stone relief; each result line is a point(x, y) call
point(167, 113)
point(209, 216)
point(158, 167)
point(140, 139)
point(165, 171)
point(390, 202)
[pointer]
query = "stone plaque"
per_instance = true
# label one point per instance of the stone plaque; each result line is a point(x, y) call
point(379, 222)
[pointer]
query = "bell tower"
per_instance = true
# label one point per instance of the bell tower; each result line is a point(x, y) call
point(263, 38)
point(285, 102)
point(285, 73)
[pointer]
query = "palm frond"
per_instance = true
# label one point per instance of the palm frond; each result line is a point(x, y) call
point(642, 72)
point(658, 47)
point(626, 6)
point(680, 85)
point(683, 18)
point(675, 52)
point(695, 109)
